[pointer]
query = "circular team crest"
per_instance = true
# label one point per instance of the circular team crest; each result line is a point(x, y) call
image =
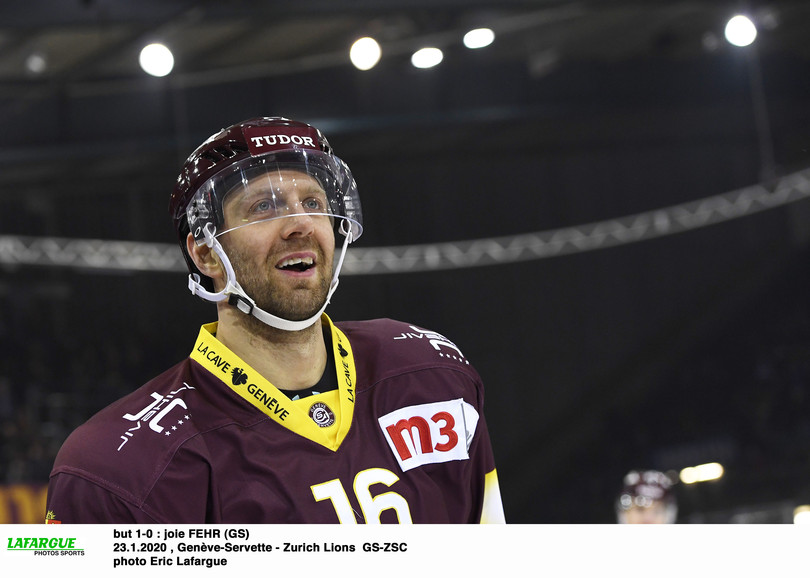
point(321, 414)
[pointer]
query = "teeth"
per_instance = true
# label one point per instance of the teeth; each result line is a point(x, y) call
point(296, 261)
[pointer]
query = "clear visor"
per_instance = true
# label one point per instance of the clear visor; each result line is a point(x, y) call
point(276, 186)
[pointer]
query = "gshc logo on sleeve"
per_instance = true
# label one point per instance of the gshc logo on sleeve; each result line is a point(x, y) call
point(430, 433)
point(155, 412)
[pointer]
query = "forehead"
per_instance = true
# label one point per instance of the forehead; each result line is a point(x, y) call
point(277, 178)
point(278, 182)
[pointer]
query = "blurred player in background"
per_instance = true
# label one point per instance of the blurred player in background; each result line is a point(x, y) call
point(647, 498)
point(279, 415)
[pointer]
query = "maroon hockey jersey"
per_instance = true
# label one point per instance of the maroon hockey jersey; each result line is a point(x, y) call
point(403, 439)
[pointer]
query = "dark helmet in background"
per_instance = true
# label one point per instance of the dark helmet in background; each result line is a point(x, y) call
point(649, 495)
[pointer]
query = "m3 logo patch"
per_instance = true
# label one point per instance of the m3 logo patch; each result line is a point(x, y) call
point(430, 433)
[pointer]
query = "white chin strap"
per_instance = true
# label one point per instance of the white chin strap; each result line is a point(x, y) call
point(237, 297)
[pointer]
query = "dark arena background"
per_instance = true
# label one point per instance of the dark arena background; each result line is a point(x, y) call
point(605, 209)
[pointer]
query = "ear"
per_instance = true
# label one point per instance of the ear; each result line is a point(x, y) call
point(206, 260)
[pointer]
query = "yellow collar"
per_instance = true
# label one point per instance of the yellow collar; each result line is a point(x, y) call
point(229, 368)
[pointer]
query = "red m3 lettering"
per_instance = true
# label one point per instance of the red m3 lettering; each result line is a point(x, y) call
point(430, 433)
point(403, 427)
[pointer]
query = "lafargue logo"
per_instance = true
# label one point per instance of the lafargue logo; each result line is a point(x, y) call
point(321, 414)
point(45, 546)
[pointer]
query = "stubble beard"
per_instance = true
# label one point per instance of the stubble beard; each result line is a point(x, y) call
point(294, 301)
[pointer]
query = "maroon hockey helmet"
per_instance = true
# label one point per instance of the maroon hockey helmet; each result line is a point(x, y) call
point(238, 152)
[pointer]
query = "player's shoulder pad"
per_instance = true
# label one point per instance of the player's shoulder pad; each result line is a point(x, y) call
point(388, 345)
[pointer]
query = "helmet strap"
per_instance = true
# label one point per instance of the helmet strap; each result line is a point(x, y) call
point(237, 296)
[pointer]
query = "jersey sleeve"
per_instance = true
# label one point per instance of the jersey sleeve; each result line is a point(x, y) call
point(492, 511)
point(485, 479)
point(178, 494)
point(75, 500)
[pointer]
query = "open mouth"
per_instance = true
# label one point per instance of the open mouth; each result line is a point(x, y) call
point(298, 264)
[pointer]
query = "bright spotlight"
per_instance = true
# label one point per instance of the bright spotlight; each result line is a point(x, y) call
point(36, 63)
point(156, 60)
point(801, 515)
point(740, 31)
point(365, 53)
point(427, 57)
point(702, 473)
point(479, 38)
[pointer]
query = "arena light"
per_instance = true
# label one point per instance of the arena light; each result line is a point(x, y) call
point(156, 59)
point(801, 515)
point(702, 473)
point(479, 38)
point(365, 53)
point(740, 31)
point(427, 57)
point(36, 63)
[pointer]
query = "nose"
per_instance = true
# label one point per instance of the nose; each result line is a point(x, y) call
point(298, 224)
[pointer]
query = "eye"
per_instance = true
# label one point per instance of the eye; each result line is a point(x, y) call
point(314, 204)
point(262, 206)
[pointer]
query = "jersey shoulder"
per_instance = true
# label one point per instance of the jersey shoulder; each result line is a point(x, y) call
point(126, 446)
point(386, 347)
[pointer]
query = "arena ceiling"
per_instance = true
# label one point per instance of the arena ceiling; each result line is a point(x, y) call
point(86, 92)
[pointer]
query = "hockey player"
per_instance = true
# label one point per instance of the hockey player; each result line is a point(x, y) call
point(280, 415)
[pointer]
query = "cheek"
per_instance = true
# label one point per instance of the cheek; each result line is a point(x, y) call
point(326, 237)
point(244, 248)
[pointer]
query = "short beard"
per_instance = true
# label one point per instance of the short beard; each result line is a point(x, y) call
point(295, 305)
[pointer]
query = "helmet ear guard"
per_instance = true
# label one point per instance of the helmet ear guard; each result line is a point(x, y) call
point(199, 283)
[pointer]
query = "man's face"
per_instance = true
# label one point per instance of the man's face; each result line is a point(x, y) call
point(284, 264)
point(656, 513)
